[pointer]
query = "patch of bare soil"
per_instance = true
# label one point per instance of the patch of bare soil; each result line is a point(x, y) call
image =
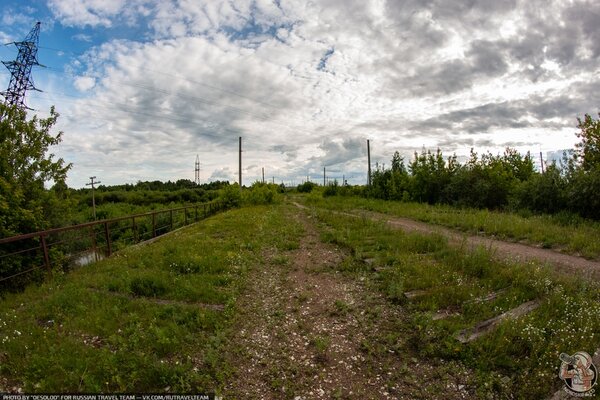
point(306, 331)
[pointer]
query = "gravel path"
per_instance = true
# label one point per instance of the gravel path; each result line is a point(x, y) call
point(307, 331)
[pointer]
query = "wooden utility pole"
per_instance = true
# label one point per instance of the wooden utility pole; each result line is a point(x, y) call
point(263, 172)
point(542, 162)
point(273, 180)
point(324, 174)
point(369, 162)
point(92, 183)
point(240, 164)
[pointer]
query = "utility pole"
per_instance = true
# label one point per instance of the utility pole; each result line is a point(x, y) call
point(92, 183)
point(324, 175)
point(263, 172)
point(369, 162)
point(542, 162)
point(240, 163)
point(273, 180)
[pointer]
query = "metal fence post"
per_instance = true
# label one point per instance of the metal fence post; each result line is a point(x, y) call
point(45, 250)
point(153, 225)
point(94, 249)
point(107, 236)
point(134, 228)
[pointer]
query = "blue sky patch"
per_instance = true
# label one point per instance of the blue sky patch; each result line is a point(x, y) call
point(323, 62)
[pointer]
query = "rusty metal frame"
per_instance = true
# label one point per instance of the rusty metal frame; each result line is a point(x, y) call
point(45, 244)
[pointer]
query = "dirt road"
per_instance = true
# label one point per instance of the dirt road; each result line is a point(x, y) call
point(308, 331)
point(505, 250)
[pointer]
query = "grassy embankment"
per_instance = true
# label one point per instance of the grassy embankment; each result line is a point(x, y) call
point(562, 232)
point(150, 318)
point(142, 320)
point(519, 357)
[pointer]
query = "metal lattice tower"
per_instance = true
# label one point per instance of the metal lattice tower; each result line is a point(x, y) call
point(197, 171)
point(20, 70)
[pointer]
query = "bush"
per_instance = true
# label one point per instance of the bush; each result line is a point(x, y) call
point(331, 189)
point(543, 193)
point(583, 193)
point(262, 193)
point(306, 187)
point(230, 196)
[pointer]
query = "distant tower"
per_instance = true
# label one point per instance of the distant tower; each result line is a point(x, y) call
point(197, 170)
point(20, 70)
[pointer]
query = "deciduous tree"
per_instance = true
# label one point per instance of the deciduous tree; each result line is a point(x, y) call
point(25, 167)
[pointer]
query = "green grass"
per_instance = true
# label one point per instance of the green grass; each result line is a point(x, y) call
point(157, 317)
point(569, 233)
point(520, 357)
point(153, 317)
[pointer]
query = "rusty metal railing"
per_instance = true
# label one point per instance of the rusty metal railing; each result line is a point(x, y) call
point(24, 257)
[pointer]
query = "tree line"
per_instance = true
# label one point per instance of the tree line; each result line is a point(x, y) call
point(506, 181)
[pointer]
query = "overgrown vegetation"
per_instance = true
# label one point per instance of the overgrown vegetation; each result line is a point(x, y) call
point(562, 231)
point(262, 193)
point(152, 318)
point(123, 232)
point(25, 205)
point(452, 290)
point(507, 181)
point(119, 200)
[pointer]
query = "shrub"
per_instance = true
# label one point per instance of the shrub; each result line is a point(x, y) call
point(542, 192)
point(231, 196)
point(306, 187)
point(262, 193)
point(331, 189)
point(583, 193)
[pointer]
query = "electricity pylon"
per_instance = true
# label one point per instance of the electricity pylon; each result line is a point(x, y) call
point(20, 70)
point(197, 170)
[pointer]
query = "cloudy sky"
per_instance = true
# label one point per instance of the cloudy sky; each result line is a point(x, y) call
point(143, 86)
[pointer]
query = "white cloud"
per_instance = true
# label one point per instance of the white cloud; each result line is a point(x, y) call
point(83, 37)
point(402, 74)
point(83, 83)
point(5, 38)
point(94, 12)
point(10, 17)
